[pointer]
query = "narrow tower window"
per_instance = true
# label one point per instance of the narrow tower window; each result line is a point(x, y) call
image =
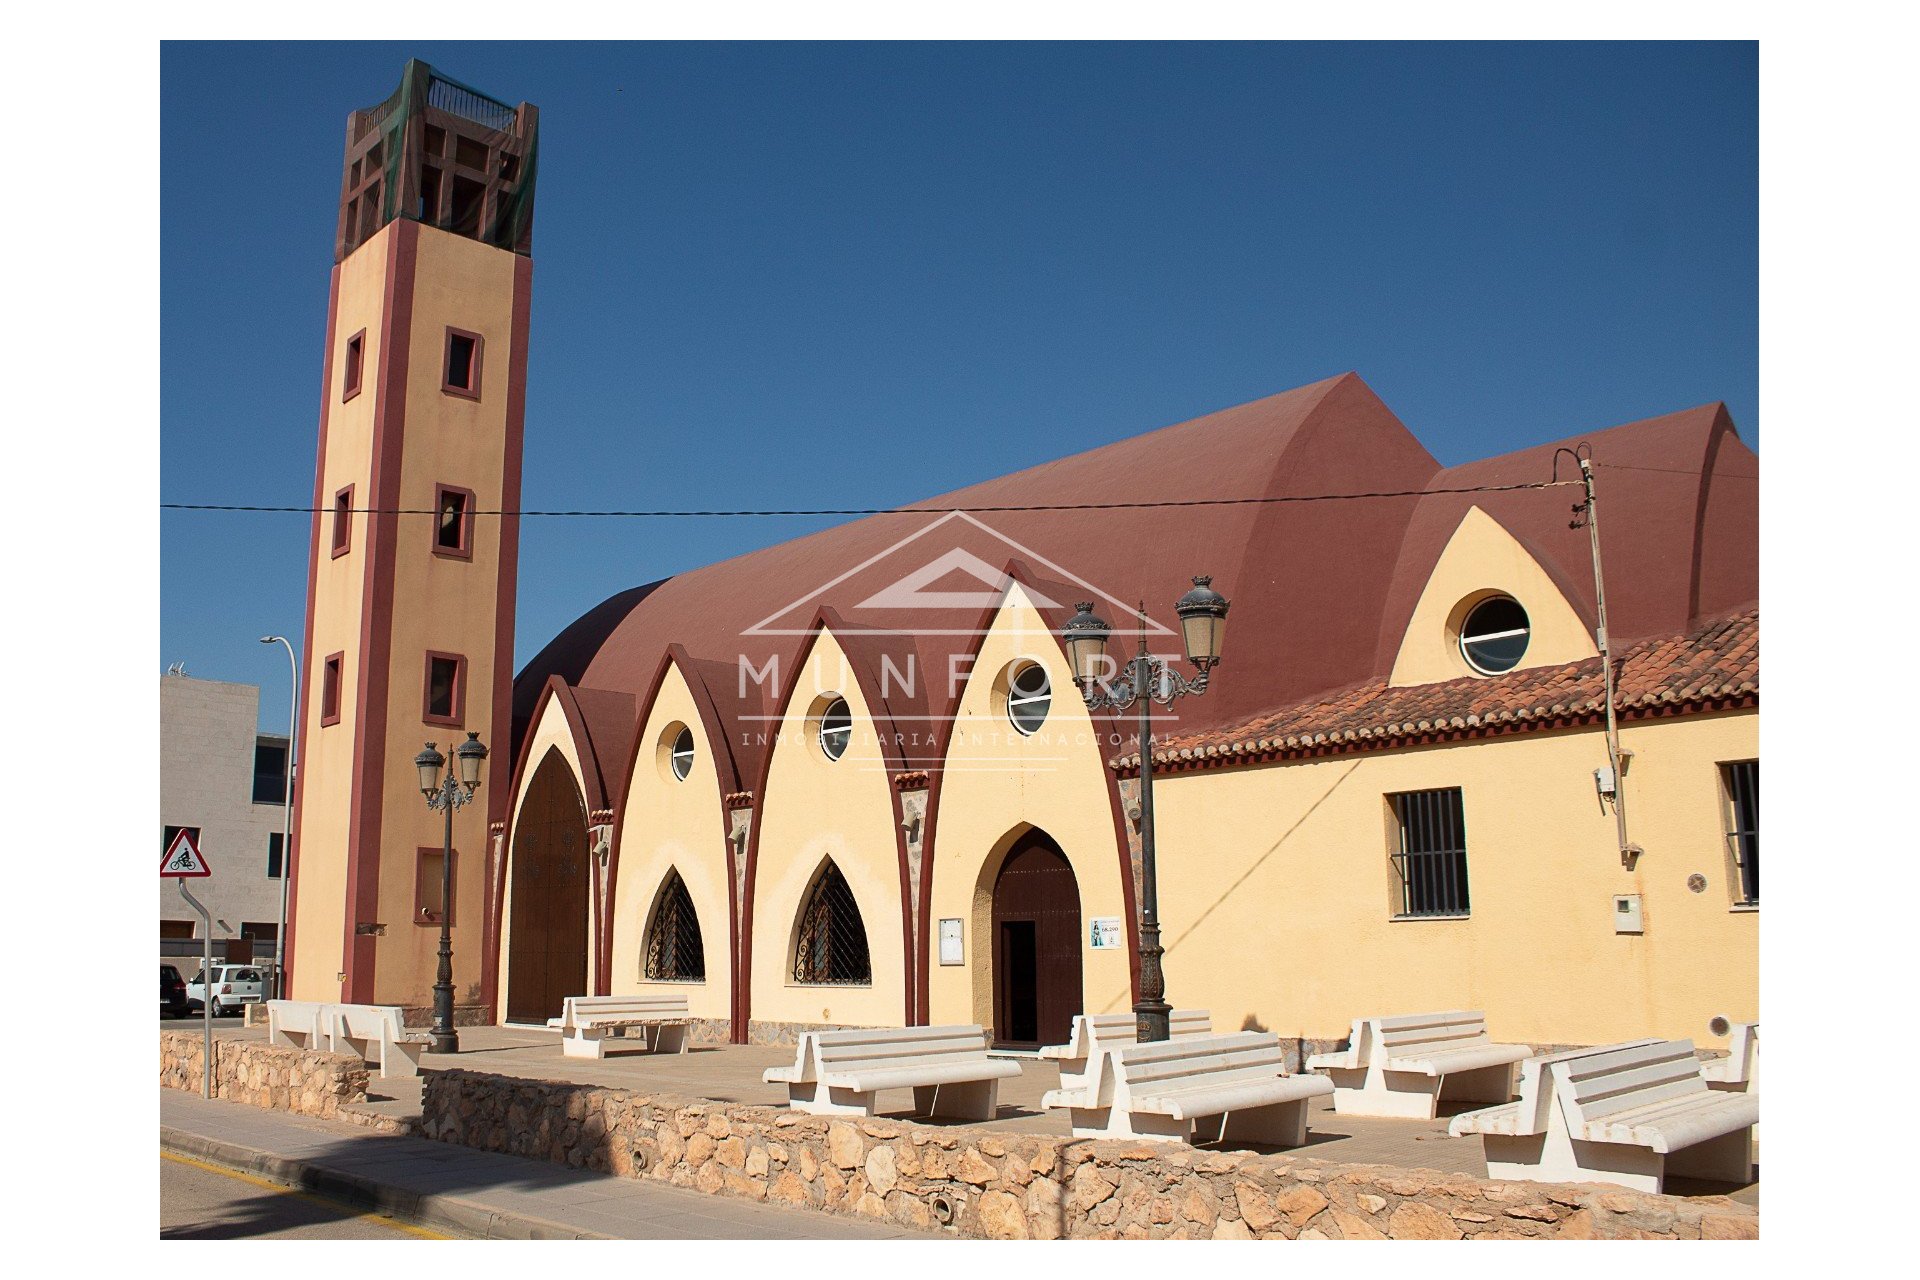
point(356, 356)
point(343, 521)
point(453, 522)
point(330, 690)
point(463, 364)
point(446, 691)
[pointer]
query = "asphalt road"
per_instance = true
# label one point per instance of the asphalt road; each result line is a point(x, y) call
point(205, 1202)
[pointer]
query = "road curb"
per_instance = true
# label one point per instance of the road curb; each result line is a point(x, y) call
point(438, 1212)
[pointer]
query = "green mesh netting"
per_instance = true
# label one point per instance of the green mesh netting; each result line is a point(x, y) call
point(400, 120)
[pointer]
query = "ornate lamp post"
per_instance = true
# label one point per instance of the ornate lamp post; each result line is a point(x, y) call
point(1203, 623)
point(457, 788)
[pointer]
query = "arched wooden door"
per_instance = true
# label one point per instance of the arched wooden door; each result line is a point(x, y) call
point(547, 939)
point(1036, 945)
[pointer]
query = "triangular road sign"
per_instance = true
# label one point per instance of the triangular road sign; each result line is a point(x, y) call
point(183, 858)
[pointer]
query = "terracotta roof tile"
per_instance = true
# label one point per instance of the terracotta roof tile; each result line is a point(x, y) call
point(1713, 666)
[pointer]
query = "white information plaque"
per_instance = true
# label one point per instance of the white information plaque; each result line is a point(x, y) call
point(1106, 933)
point(951, 949)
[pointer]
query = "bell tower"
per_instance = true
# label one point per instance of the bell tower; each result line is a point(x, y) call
point(410, 584)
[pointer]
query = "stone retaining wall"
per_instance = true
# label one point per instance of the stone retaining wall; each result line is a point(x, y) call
point(263, 1075)
point(984, 1183)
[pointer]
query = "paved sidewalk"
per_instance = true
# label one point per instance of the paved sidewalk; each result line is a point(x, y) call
point(476, 1193)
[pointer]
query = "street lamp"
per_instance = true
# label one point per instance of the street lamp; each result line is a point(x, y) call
point(447, 795)
point(1203, 624)
point(286, 833)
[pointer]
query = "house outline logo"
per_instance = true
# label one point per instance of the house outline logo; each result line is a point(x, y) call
point(910, 590)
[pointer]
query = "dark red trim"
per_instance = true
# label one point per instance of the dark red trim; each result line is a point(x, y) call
point(376, 613)
point(356, 366)
point(342, 531)
point(421, 914)
point(464, 551)
point(333, 670)
point(471, 389)
point(458, 719)
point(505, 582)
point(292, 858)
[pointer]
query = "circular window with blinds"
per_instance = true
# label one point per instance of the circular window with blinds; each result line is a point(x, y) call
point(680, 760)
point(836, 728)
point(1494, 636)
point(1029, 698)
point(674, 951)
point(830, 946)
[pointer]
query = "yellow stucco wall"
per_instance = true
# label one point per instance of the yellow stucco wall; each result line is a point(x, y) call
point(673, 824)
point(438, 604)
point(444, 604)
point(1483, 559)
point(1276, 890)
point(998, 781)
point(550, 735)
point(813, 809)
point(326, 767)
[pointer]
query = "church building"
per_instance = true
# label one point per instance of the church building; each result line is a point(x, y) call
point(851, 780)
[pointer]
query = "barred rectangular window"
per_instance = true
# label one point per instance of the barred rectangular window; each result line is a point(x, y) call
point(1740, 782)
point(1431, 860)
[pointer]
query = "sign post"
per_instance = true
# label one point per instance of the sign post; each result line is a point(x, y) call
point(182, 860)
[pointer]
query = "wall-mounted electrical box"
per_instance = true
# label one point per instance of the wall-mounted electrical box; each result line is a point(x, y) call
point(1626, 914)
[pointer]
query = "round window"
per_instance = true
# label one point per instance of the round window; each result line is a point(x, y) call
point(1029, 698)
point(836, 728)
point(1494, 636)
point(681, 760)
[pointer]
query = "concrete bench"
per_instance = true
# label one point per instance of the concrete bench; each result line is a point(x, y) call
point(377, 1034)
point(1739, 1071)
point(296, 1024)
point(1098, 1032)
point(1165, 1090)
point(1623, 1113)
point(842, 1072)
point(589, 1023)
point(1404, 1066)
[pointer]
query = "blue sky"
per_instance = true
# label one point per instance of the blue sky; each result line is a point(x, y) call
point(856, 275)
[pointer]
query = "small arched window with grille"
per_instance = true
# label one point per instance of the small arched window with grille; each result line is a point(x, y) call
point(830, 948)
point(674, 950)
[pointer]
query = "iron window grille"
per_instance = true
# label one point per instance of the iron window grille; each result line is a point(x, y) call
point(1432, 858)
point(1742, 783)
point(675, 952)
point(831, 948)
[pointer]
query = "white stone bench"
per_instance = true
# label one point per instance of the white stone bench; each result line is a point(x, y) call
point(377, 1034)
point(842, 1072)
point(1099, 1032)
point(1739, 1071)
point(1624, 1113)
point(296, 1024)
point(590, 1024)
point(1404, 1066)
point(1162, 1090)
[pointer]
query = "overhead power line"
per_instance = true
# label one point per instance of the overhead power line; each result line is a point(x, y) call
point(885, 511)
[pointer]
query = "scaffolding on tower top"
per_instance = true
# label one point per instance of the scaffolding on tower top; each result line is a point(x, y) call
point(443, 153)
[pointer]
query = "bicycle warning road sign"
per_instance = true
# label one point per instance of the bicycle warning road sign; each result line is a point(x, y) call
point(182, 858)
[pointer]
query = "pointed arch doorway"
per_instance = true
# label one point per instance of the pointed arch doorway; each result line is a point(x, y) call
point(1036, 945)
point(547, 938)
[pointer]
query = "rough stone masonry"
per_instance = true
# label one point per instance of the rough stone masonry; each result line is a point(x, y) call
point(1001, 1186)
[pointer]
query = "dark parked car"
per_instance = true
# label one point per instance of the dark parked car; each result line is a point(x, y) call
point(173, 993)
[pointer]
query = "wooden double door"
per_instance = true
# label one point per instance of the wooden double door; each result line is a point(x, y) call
point(1036, 945)
point(547, 939)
